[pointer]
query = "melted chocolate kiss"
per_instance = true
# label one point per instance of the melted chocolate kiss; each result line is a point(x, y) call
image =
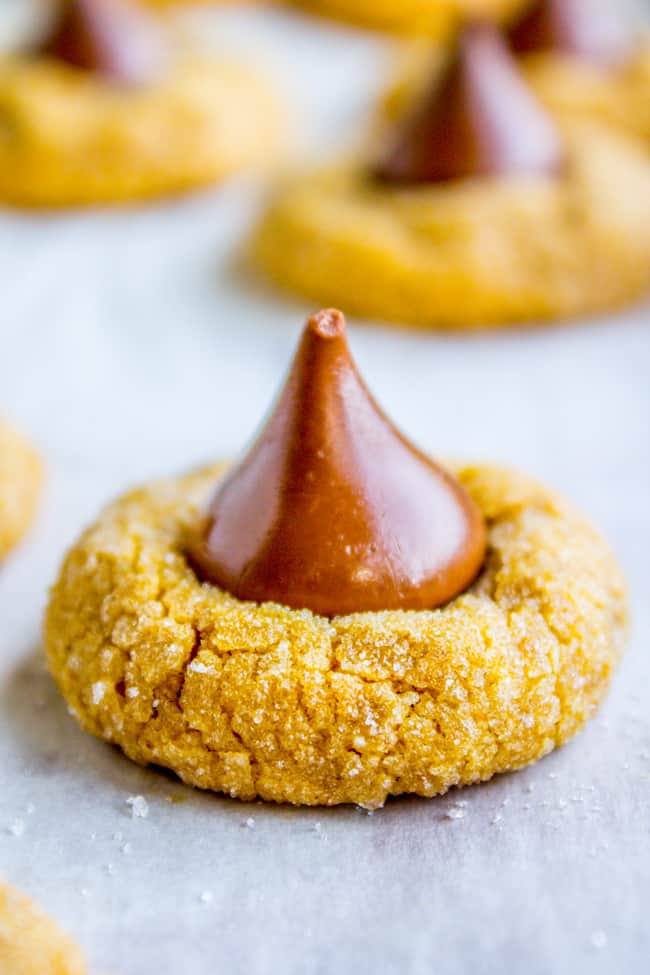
point(114, 38)
point(481, 119)
point(332, 509)
point(594, 30)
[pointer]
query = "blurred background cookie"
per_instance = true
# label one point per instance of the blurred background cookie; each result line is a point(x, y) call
point(111, 106)
point(31, 943)
point(478, 210)
point(588, 58)
point(583, 58)
point(435, 18)
point(21, 475)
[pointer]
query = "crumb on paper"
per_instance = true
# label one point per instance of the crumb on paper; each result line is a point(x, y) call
point(139, 807)
point(17, 828)
point(207, 897)
point(598, 939)
point(249, 823)
point(455, 812)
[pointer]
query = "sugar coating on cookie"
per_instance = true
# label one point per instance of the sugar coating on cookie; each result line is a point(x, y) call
point(469, 253)
point(31, 943)
point(21, 475)
point(258, 700)
point(71, 138)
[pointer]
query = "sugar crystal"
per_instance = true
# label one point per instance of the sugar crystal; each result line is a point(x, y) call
point(17, 828)
point(139, 807)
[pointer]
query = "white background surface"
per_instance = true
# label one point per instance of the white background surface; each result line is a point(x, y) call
point(132, 347)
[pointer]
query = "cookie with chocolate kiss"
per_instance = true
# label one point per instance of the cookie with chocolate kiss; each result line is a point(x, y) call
point(114, 107)
point(113, 38)
point(336, 618)
point(587, 60)
point(591, 30)
point(458, 219)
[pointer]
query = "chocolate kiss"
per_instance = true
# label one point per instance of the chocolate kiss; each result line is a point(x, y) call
point(481, 119)
point(115, 38)
point(332, 509)
point(594, 30)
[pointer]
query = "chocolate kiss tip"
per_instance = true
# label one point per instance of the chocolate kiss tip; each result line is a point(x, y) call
point(480, 119)
point(114, 38)
point(327, 324)
point(594, 30)
point(332, 509)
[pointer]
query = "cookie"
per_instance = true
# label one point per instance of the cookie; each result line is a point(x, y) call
point(467, 240)
point(284, 702)
point(571, 87)
point(435, 18)
point(281, 704)
point(583, 58)
point(140, 121)
point(31, 943)
point(21, 475)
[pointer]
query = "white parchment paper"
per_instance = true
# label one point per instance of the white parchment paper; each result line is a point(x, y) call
point(131, 346)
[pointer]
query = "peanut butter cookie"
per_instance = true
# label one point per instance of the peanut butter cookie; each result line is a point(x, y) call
point(337, 618)
point(21, 475)
point(263, 700)
point(31, 943)
point(485, 211)
point(111, 112)
point(435, 18)
point(587, 58)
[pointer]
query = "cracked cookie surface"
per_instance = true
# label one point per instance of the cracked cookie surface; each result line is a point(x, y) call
point(21, 476)
point(30, 942)
point(261, 700)
point(471, 253)
point(70, 138)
